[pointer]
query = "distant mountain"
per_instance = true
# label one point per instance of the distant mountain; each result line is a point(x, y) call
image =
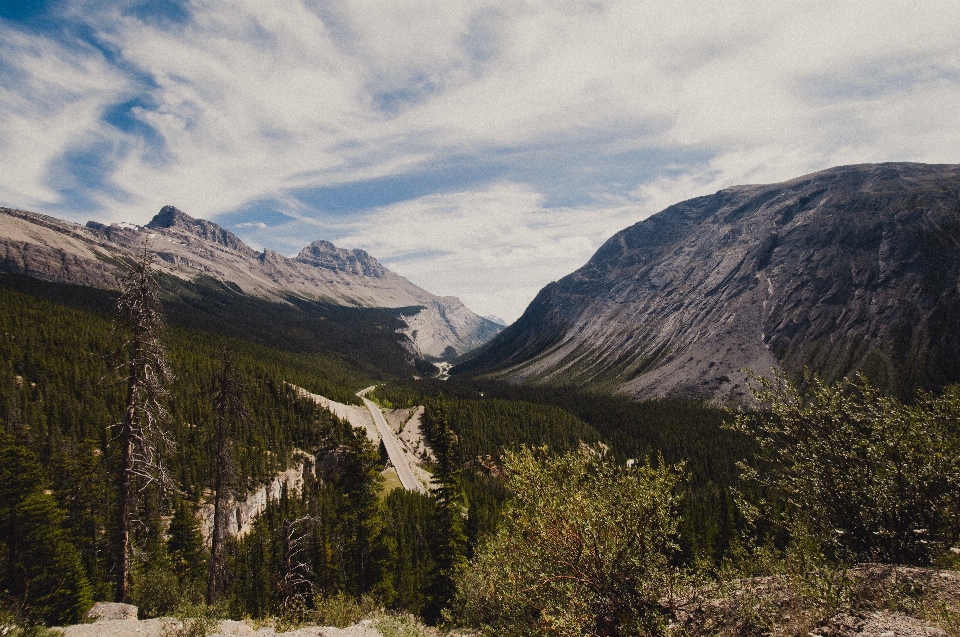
point(198, 251)
point(496, 319)
point(850, 269)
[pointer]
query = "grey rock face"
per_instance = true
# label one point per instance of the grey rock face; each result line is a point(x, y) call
point(323, 254)
point(851, 269)
point(170, 217)
point(112, 611)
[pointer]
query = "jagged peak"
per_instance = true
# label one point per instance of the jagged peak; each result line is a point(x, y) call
point(172, 218)
point(323, 254)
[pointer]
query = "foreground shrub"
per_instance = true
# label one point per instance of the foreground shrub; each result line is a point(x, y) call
point(584, 548)
point(341, 610)
point(871, 478)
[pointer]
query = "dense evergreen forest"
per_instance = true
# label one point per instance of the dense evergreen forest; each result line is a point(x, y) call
point(489, 417)
point(62, 392)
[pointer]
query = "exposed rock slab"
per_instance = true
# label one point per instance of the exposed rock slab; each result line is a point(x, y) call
point(240, 516)
point(851, 269)
point(112, 611)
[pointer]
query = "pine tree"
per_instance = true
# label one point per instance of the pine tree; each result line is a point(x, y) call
point(362, 519)
point(185, 544)
point(41, 569)
point(142, 437)
point(451, 541)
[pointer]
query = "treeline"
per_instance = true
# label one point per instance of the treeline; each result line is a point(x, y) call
point(350, 340)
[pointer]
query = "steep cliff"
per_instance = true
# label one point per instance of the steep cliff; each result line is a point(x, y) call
point(855, 268)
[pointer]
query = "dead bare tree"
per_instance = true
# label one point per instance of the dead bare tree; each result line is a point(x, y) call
point(143, 439)
point(295, 584)
point(231, 413)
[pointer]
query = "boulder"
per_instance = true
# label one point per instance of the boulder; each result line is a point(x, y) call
point(112, 611)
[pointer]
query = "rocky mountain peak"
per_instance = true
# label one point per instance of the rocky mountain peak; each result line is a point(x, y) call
point(200, 253)
point(323, 254)
point(172, 218)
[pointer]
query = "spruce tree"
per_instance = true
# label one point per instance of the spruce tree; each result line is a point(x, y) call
point(185, 544)
point(41, 570)
point(451, 541)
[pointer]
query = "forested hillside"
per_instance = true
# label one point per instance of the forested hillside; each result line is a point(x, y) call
point(489, 417)
point(62, 391)
point(342, 542)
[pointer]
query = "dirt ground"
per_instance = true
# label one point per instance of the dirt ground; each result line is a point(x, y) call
point(167, 627)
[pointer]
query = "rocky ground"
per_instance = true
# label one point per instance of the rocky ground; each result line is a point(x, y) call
point(119, 620)
point(869, 600)
point(168, 627)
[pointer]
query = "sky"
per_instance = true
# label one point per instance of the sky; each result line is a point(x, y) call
point(480, 148)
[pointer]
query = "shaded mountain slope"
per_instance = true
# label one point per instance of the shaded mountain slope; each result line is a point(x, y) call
point(202, 255)
point(850, 269)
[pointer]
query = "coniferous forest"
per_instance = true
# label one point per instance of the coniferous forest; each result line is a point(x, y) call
point(231, 419)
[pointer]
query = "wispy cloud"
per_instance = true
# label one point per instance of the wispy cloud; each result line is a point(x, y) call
point(482, 148)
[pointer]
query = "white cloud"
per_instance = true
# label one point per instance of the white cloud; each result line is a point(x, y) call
point(51, 102)
point(494, 248)
point(251, 101)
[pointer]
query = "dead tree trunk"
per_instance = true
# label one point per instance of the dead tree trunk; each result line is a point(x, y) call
point(231, 413)
point(141, 436)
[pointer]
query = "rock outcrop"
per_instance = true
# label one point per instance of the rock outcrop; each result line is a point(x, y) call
point(240, 515)
point(850, 269)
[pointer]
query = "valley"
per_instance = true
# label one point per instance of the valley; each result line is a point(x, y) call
point(633, 374)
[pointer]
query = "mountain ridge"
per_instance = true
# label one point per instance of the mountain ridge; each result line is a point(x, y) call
point(191, 249)
point(854, 268)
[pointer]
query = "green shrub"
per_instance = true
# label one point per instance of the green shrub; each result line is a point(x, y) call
point(341, 610)
point(585, 546)
point(195, 620)
point(870, 478)
point(401, 625)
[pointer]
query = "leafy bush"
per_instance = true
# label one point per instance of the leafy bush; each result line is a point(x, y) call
point(869, 477)
point(401, 625)
point(195, 620)
point(585, 546)
point(341, 610)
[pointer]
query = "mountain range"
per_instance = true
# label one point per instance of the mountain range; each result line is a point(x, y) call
point(852, 269)
point(194, 252)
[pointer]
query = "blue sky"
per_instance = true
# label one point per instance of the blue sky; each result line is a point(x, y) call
point(480, 148)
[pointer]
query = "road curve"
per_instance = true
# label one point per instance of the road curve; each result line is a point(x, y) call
point(399, 461)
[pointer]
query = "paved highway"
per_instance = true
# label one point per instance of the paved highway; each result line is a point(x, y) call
point(407, 479)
